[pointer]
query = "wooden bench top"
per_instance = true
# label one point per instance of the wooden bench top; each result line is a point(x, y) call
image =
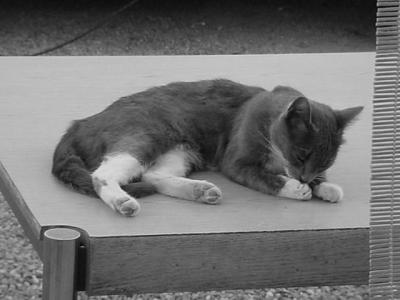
point(40, 96)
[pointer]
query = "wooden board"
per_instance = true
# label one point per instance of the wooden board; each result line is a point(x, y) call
point(40, 96)
point(229, 261)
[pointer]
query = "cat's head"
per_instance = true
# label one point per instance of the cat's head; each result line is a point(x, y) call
point(314, 135)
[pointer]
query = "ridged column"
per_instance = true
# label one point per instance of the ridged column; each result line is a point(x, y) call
point(385, 169)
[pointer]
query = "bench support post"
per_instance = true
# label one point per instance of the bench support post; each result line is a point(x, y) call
point(60, 247)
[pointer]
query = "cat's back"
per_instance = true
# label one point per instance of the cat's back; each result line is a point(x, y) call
point(204, 93)
point(185, 102)
point(190, 107)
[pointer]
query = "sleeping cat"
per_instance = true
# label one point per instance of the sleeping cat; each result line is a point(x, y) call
point(277, 142)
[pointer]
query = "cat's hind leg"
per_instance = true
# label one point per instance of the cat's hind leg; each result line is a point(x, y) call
point(115, 170)
point(167, 175)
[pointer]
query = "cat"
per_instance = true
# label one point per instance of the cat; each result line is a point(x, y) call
point(277, 142)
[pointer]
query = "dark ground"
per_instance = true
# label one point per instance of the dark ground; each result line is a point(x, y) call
point(175, 27)
point(190, 27)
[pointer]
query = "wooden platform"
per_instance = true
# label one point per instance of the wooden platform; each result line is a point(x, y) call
point(252, 240)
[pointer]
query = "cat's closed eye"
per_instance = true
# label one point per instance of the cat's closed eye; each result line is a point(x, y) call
point(303, 155)
point(301, 159)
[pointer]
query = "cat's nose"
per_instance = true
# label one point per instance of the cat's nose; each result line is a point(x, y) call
point(304, 179)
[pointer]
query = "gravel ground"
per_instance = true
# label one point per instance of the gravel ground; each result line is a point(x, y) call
point(175, 27)
point(190, 27)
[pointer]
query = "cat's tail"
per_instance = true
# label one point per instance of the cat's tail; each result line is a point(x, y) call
point(69, 167)
point(139, 189)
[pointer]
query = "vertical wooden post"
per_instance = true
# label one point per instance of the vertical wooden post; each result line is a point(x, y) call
point(60, 263)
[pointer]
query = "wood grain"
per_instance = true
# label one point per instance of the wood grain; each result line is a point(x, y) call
point(123, 265)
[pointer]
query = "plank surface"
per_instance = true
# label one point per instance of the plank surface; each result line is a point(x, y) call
point(122, 265)
point(40, 96)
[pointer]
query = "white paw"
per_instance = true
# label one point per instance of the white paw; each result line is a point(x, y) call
point(207, 192)
point(294, 189)
point(329, 192)
point(127, 206)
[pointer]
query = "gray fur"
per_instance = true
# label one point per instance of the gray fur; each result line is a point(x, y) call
point(249, 134)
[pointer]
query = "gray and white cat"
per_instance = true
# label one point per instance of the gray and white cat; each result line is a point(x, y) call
point(277, 142)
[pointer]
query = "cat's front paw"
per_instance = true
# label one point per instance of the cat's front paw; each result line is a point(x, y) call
point(207, 192)
point(294, 189)
point(328, 191)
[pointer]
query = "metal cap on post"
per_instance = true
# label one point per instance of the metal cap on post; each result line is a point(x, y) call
point(60, 263)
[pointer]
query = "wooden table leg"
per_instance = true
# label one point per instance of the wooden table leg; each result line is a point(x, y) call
point(60, 263)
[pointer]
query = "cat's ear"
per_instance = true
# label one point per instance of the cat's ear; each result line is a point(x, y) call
point(346, 116)
point(298, 115)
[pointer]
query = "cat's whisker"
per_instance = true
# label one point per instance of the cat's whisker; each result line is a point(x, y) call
point(264, 137)
point(268, 143)
point(272, 147)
